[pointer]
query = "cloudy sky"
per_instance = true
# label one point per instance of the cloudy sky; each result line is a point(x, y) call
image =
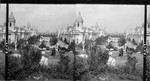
point(52, 17)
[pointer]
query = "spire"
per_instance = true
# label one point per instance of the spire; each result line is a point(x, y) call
point(12, 18)
point(79, 18)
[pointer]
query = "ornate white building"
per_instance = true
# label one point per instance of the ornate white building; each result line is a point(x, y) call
point(79, 33)
point(137, 33)
point(16, 33)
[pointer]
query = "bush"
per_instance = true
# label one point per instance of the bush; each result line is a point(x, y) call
point(101, 40)
point(109, 46)
point(43, 45)
point(133, 42)
point(148, 69)
point(53, 40)
point(2, 45)
point(140, 48)
point(21, 68)
point(88, 43)
point(121, 41)
point(14, 66)
point(97, 59)
point(33, 39)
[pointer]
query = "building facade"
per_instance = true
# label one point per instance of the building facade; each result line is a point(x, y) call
point(16, 33)
point(79, 33)
point(137, 33)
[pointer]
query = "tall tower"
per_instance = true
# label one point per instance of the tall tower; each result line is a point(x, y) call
point(12, 20)
point(79, 21)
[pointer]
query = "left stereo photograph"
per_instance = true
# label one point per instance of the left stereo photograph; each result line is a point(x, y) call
point(35, 50)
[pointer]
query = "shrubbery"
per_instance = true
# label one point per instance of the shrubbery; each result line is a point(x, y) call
point(53, 40)
point(101, 40)
point(148, 69)
point(33, 40)
point(134, 42)
point(121, 41)
point(23, 67)
point(2, 45)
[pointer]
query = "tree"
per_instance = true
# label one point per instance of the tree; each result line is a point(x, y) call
point(20, 43)
point(97, 59)
point(100, 40)
point(121, 52)
point(2, 45)
point(88, 43)
point(140, 47)
point(53, 40)
point(65, 40)
point(43, 45)
point(109, 46)
point(129, 39)
point(121, 41)
point(33, 40)
point(133, 41)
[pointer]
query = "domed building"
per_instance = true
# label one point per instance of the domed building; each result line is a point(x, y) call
point(16, 33)
point(79, 33)
point(137, 33)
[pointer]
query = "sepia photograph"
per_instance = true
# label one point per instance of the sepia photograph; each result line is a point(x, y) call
point(73, 42)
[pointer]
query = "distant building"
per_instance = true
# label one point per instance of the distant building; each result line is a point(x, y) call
point(138, 33)
point(16, 33)
point(79, 33)
point(114, 37)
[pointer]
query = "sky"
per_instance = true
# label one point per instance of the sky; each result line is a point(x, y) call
point(52, 17)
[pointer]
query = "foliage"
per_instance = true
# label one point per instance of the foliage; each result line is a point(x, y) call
point(33, 39)
point(14, 66)
point(121, 41)
point(133, 42)
point(24, 66)
point(81, 67)
point(20, 43)
point(2, 66)
point(121, 52)
point(101, 40)
point(53, 40)
point(97, 66)
point(43, 45)
point(140, 47)
point(65, 41)
point(2, 45)
point(148, 69)
point(109, 46)
point(88, 43)
point(12, 45)
point(129, 39)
